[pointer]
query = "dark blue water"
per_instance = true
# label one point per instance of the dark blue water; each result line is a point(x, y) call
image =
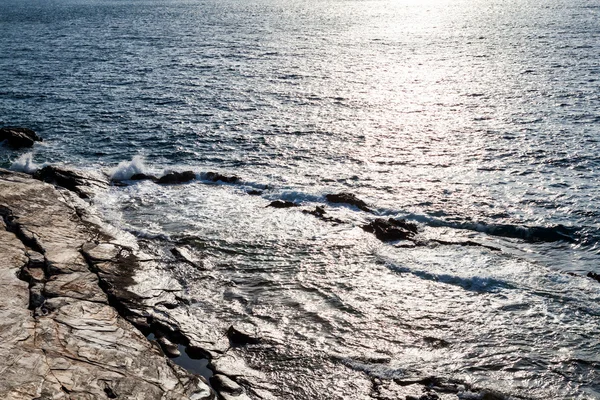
point(477, 120)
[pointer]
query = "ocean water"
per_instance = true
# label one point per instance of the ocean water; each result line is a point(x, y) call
point(478, 120)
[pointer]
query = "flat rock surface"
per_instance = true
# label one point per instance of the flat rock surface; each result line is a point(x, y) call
point(75, 345)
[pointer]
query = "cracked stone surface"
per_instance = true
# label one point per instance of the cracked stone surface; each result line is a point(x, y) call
point(74, 343)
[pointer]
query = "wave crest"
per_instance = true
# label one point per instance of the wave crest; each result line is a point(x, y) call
point(26, 164)
point(126, 169)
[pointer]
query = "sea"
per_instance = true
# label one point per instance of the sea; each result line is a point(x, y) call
point(477, 120)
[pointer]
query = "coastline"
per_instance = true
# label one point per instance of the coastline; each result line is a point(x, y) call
point(64, 277)
point(91, 314)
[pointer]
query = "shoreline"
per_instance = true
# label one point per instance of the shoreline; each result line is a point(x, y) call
point(72, 329)
point(87, 303)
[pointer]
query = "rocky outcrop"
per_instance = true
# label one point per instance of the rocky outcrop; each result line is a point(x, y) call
point(85, 184)
point(216, 177)
point(17, 137)
point(282, 204)
point(594, 276)
point(391, 229)
point(320, 213)
point(348, 198)
point(143, 177)
point(63, 332)
point(177, 177)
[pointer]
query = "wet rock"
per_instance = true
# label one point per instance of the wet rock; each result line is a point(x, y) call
point(594, 276)
point(239, 337)
point(85, 184)
point(320, 213)
point(255, 192)
point(183, 254)
point(143, 177)
point(170, 348)
point(177, 177)
point(216, 177)
point(317, 212)
point(224, 384)
point(18, 137)
point(391, 229)
point(282, 204)
point(348, 198)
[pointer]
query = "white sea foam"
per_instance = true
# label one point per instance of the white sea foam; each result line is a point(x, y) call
point(126, 169)
point(26, 164)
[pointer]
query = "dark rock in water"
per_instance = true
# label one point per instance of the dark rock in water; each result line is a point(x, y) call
point(239, 337)
point(216, 177)
point(169, 348)
point(17, 137)
point(317, 212)
point(348, 198)
point(177, 177)
point(143, 177)
point(391, 229)
point(255, 192)
point(320, 212)
point(223, 384)
point(282, 204)
point(594, 276)
point(81, 182)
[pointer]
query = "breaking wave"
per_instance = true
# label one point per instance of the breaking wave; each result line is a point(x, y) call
point(126, 169)
point(26, 164)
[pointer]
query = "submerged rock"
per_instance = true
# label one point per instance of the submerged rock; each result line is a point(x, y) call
point(282, 204)
point(594, 276)
point(84, 183)
point(18, 137)
point(177, 177)
point(391, 229)
point(216, 177)
point(348, 198)
point(255, 192)
point(317, 212)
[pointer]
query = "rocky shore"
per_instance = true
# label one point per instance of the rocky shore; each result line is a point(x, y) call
point(88, 312)
point(60, 334)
